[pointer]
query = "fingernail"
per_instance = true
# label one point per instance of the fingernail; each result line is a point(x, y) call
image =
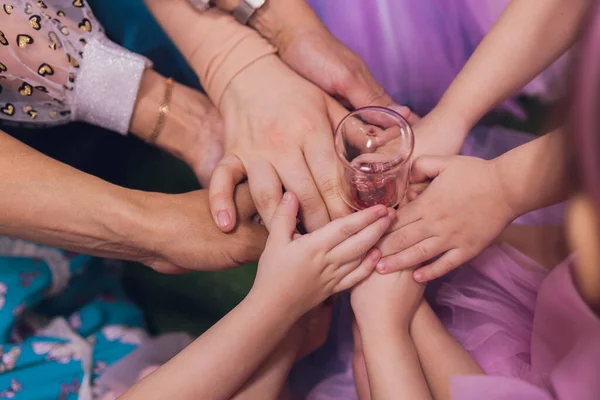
point(382, 212)
point(418, 276)
point(380, 266)
point(287, 197)
point(375, 254)
point(223, 219)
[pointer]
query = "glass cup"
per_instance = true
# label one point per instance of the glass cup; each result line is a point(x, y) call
point(373, 146)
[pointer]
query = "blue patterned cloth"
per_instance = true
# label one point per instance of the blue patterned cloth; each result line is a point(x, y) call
point(63, 320)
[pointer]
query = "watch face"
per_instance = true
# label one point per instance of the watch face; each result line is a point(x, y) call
point(256, 3)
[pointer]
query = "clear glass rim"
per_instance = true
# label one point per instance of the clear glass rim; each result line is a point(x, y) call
point(377, 109)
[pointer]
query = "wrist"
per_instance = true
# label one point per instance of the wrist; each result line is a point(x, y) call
point(190, 112)
point(271, 302)
point(511, 200)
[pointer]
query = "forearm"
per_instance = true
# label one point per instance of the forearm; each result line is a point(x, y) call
point(213, 43)
point(45, 201)
point(534, 175)
point(218, 363)
point(441, 356)
point(268, 382)
point(392, 362)
point(526, 39)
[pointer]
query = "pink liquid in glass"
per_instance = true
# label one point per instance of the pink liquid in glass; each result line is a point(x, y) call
point(374, 186)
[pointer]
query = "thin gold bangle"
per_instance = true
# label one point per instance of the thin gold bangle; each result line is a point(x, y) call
point(163, 112)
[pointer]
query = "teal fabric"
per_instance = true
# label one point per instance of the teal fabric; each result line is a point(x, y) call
point(37, 363)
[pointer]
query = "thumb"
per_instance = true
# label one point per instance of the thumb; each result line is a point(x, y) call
point(283, 223)
point(427, 168)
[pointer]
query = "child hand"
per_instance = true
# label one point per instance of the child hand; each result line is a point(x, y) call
point(301, 271)
point(391, 298)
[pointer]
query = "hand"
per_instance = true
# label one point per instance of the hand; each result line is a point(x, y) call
point(278, 132)
point(301, 271)
point(391, 298)
point(459, 214)
point(313, 52)
point(185, 237)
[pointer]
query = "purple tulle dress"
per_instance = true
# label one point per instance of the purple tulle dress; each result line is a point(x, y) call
point(415, 49)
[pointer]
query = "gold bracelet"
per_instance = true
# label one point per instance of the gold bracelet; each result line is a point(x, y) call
point(163, 112)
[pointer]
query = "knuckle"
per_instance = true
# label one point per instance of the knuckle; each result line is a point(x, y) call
point(346, 230)
point(421, 252)
point(329, 186)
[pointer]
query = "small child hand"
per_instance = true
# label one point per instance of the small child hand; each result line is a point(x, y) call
point(304, 270)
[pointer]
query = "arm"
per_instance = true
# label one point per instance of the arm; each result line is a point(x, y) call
point(384, 306)
point(218, 363)
point(441, 356)
point(392, 363)
point(48, 202)
point(526, 39)
point(268, 382)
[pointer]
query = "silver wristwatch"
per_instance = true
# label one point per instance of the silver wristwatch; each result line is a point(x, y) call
point(200, 5)
point(244, 11)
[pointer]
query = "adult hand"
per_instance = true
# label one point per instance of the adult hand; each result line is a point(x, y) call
point(187, 239)
point(313, 52)
point(459, 214)
point(278, 133)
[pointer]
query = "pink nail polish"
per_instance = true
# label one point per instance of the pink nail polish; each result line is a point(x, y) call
point(223, 219)
point(380, 266)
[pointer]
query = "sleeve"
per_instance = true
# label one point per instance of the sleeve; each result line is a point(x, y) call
point(56, 66)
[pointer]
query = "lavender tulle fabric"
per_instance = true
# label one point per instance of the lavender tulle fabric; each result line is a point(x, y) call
point(565, 350)
point(56, 65)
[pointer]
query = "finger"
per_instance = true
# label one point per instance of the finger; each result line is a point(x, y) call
point(243, 202)
point(283, 223)
point(414, 255)
point(406, 112)
point(408, 214)
point(350, 277)
point(426, 168)
point(341, 229)
point(228, 173)
point(451, 260)
point(320, 157)
point(415, 189)
point(357, 245)
point(296, 177)
point(265, 187)
point(400, 240)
